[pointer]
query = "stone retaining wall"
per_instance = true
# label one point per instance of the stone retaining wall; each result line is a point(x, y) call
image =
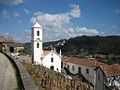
point(24, 80)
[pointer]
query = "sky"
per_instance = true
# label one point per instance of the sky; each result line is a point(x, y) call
point(60, 19)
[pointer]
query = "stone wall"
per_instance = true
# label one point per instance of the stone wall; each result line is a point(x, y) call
point(24, 80)
point(47, 79)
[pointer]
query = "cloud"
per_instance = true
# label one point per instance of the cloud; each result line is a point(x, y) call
point(62, 17)
point(11, 2)
point(26, 11)
point(16, 14)
point(28, 34)
point(116, 11)
point(87, 31)
point(19, 21)
point(59, 25)
point(5, 34)
point(75, 11)
point(4, 14)
point(27, 31)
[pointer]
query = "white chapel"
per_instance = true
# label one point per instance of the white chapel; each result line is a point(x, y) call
point(48, 58)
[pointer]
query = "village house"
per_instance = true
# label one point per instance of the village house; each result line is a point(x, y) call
point(81, 66)
point(89, 69)
point(9, 45)
point(48, 58)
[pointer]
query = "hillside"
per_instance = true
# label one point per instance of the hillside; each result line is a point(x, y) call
point(103, 47)
point(91, 44)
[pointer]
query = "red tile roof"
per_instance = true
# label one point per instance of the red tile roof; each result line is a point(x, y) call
point(109, 70)
point(7, 41)
point(112, 70)
point(15, 44)
point(84, 62)
point(46, 52)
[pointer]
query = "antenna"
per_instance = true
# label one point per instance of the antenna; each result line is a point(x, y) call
point(116, 30)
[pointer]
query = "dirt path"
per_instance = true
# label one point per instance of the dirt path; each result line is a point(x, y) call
point(8, 79)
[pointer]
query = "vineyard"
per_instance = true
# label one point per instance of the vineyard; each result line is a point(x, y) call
point(47, 79)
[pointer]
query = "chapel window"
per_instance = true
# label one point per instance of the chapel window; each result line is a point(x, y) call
point(38, 33)
point(37, 45)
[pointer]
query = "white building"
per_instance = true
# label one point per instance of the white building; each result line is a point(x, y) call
point(88, 68)
point(101, 75)
point(51, 59)
point(36, 43)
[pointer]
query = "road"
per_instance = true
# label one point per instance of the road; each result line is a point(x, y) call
point(8, 80)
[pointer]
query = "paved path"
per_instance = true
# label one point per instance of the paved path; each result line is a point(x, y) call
point(8, 79)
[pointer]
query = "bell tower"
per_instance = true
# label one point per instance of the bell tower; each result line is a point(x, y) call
point(36, 43)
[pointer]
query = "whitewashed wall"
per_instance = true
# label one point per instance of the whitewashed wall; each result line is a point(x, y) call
point(56, 61)
point(100, 81)
point(91, 76)
point(36, 52)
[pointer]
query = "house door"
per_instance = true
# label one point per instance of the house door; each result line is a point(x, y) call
point(79, 70)
point(11, 49)
point(52, 67)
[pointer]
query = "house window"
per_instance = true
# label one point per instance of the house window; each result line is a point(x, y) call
point(79, 70)
point(38, 33)
point(87, 71)
point(73, 68)
point(37, 45)
point(52, 59)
